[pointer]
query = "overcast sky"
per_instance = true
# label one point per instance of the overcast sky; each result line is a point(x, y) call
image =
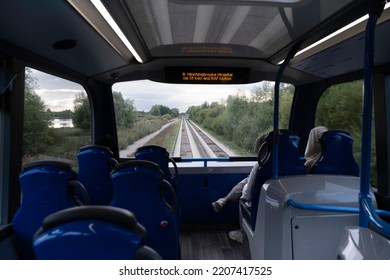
point(58, 94)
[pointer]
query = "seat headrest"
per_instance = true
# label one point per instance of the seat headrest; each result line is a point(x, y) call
point(109, 214)
point(288, 156)
point(51, 163)
point(152, 148)
point(95, 147)
point(337, 154)
point(139, 163)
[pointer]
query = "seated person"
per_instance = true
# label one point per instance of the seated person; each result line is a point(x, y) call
point(241, 190)
point(313, 146)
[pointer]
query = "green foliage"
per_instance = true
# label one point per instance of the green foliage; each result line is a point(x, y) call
point(175, 112)
point(142, 127)
point(37, 134)
point(66, 146)
point(125, 111)
point(82, 112)
point(167, 137)
point(285, 108)
point(160, 110)
point(340, 107)
point(241, 119)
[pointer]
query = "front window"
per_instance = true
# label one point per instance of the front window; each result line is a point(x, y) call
point(231, 115)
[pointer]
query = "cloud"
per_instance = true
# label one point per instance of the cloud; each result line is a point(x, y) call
point(146, 94)
point(58, 99)
point(58, 94)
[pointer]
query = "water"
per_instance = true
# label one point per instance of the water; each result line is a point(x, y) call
point(61, 123)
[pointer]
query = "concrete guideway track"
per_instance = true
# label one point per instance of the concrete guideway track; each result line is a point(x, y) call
point(191, 142)
point(196, 143)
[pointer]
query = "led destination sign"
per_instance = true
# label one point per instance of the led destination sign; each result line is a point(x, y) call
point(206, 75)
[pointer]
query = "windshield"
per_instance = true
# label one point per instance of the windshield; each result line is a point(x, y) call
point(229, 116)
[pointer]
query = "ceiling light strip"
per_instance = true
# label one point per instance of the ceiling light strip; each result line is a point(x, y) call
point(343, 33)
point(106, 15)
point(101, 26)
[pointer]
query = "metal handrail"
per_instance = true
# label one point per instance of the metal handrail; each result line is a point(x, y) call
point(343, 209)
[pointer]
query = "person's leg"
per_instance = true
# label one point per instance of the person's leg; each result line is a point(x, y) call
point(237, 235)
point(218, 204)
point(236, 192)
point(233, 195)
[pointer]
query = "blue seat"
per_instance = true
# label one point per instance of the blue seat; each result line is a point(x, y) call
point(160, 156)
point(47, 187)
point(337, 155)
point(95, 165)
point(93, 232)
point(290, 163)
point(140, 187)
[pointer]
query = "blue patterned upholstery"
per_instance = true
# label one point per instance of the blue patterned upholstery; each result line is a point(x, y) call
point(95, 164)
point(45, 190)
point(337, 155)
point(140, 187)
point(92, 233)
point(160, 156)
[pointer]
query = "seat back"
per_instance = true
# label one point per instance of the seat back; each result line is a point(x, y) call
point(337, 155)
point(103, 232)
point(95, 164)
point(46, 187)
point(289, 161)
point(140, 187)
point(160, 156)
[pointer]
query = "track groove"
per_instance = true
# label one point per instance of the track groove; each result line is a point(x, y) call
point(194, 142)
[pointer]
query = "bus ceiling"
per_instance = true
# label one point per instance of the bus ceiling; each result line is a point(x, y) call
point(147, 32)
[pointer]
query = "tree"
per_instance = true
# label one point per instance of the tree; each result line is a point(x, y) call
point(286, 98)
point(155, 110)
point(340, 107)
point(125, 111)
point(175, 112)
point(37, 133)
point(161, 110)
point(241, 119)
point(263, 92)
point(82, 113)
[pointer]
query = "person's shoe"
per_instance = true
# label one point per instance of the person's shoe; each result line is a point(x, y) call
point(236, 235)
point(218, 205)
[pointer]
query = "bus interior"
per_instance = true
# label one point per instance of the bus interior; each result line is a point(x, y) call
point(168, 61)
